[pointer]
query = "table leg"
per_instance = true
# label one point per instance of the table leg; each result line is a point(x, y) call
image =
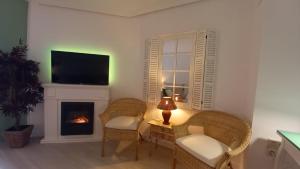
point(150, 138)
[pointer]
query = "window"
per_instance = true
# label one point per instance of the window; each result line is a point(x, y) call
point(182, 66)
point(176, 65)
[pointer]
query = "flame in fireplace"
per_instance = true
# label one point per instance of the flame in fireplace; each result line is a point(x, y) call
point(81, 119)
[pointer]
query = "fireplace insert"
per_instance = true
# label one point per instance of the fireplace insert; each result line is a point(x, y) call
point(77, 118)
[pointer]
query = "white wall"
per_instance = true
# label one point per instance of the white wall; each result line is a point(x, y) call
point(124, 38)
point(236, 68)
point(66, 29)
point(278, 86)
point(59, 28)
point(74, 30)
point(246, 29)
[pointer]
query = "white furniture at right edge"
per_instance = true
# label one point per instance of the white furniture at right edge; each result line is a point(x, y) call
point(291, 144)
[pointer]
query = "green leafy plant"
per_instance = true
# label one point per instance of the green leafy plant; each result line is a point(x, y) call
point(20, 88)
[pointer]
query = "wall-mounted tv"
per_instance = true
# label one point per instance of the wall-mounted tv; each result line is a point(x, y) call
point(79, 68)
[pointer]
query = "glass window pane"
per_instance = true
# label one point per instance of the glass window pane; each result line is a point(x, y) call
point(183, 62)
point(169, 46)
point(167, 78)
point(182, 79)
point(185, 45)
point(167, 91)
point(181, 95)
point(168, 62)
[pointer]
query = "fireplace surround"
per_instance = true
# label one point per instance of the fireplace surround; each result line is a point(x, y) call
point(80, 105)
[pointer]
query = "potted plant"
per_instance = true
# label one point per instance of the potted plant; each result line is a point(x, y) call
point(20, 92)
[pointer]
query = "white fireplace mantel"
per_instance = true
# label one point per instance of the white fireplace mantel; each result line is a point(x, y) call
point(54, 94)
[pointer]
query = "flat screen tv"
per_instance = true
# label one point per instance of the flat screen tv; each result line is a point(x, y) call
point(79, 68)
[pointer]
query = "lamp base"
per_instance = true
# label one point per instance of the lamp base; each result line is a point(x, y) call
point(166, 115)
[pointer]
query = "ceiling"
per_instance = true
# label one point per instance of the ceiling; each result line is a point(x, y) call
point(125, 8)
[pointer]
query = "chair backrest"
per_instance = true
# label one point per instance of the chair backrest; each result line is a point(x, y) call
point(224, 127)
point(126, 107)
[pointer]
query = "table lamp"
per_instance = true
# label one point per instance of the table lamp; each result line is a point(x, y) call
point(166, 104)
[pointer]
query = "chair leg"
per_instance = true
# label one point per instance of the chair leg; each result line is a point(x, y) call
point(103, 145)
point(174, 158)
point(137, 150)
point(174, 163)
point(141, 139)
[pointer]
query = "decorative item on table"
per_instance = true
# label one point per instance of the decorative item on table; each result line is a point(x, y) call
point(178, 98)
point(166, 104)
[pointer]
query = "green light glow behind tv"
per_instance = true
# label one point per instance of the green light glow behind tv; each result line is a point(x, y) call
point(87, 51)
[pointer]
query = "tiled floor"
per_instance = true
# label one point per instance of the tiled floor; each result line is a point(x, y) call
point(83, 156)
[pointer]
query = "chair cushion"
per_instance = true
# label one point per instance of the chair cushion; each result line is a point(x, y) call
point(123, 123)
point(205, 148)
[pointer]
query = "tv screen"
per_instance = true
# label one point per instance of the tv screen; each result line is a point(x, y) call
point(79, 68)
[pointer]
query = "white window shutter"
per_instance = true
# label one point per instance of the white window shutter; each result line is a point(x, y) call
point(146, 70)
point(151, 77)
point(209, 71)
point(200, 47)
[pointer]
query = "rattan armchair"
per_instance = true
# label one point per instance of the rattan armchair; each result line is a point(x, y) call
point(220, 126)
point(121, 121)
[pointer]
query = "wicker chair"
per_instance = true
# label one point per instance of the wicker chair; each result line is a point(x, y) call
point(121, 121)
point(224, 129)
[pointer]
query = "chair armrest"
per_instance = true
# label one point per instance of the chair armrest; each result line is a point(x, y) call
point(140, 116)
point(104, 117)
point(244, 144)
point(140, 119)
point(223, 163)
point(238, 150)
point(180, 130)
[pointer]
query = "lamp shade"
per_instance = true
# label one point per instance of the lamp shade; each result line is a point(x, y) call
point(166, 103)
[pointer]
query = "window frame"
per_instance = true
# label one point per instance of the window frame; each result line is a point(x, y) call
point(177, 37)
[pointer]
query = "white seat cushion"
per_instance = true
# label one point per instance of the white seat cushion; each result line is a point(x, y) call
point(205, 148)
point(123, 123)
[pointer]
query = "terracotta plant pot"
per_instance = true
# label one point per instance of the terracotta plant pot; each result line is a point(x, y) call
point(18, 139)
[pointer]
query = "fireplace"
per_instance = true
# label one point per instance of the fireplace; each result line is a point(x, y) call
point(77, 118)
point(67, 129)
